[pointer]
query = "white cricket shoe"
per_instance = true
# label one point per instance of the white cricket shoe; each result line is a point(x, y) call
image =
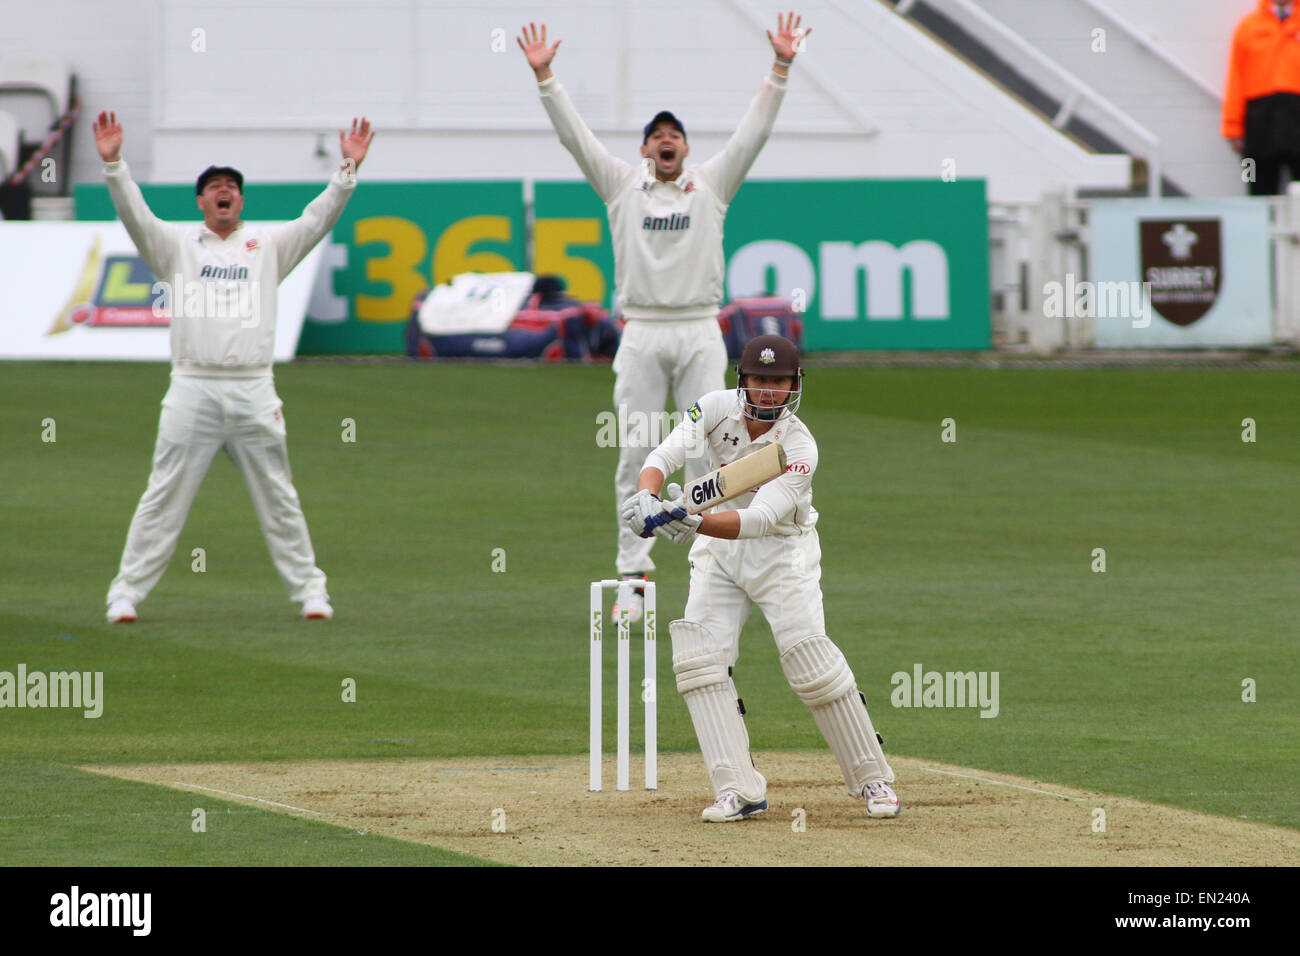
point(317, 609)
point(881, 800)
point(732, 806)
point(121, 611)
point(635, 604)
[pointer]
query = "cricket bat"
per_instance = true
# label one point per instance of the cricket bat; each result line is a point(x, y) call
point(731, 481)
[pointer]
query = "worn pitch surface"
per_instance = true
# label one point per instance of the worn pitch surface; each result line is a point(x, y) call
point(538, 811)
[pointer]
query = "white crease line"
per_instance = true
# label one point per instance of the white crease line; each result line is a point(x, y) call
point(1001, 784)
point(82, 816)
point(244, 796)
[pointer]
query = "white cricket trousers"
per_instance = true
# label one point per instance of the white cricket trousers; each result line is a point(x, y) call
point(687, 357)
point(783, 577)
point(201, 416)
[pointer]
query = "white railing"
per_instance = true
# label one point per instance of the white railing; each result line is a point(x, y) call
point(1141, 141)
point(1031, 244)
point(1286, 266)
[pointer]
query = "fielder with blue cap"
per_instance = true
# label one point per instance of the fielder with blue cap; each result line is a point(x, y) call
point(665, 220)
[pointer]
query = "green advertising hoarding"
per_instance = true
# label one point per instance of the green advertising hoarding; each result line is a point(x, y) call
point(872, 264)
point(392, 240)
point(571, 238)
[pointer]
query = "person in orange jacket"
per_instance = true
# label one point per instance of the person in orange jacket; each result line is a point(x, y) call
point(1261, 108)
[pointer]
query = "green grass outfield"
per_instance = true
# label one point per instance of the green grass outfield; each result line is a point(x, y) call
point(973, 555)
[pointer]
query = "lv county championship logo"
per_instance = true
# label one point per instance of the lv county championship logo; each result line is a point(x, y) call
point(120, 290)
point(1182, 259)
point(113, 290)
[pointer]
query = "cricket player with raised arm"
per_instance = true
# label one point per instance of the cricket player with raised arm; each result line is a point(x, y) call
point(665, 220)
point(759, 548)
point(223, 277)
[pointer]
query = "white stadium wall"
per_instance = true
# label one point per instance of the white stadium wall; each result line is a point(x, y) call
point(110, 45)
point(262, 85)
point(1196, 33)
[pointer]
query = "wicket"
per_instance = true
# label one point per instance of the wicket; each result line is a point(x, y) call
point(624, 684)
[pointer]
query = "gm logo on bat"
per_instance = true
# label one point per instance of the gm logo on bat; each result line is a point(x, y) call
point(799, 468)
point(704, 491)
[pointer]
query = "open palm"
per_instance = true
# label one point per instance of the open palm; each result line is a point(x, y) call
point(785, 43)
point(355, 144)
point(108, 137)
point(533, 43)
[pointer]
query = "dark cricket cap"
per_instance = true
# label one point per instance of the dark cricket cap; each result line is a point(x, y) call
point(211, 171)
point(549, 287)
point(770, 355)
point(663, 116)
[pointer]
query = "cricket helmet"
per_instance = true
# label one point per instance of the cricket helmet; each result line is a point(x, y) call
point(773, 355)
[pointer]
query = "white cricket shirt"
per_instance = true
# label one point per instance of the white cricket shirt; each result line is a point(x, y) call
point(667, 237)
point(782, 507)
point(223, 299)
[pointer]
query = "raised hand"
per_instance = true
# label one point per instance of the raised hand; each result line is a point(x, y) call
point(108, 137)
point(534, 46)
point(785, 44)
point(354, 145)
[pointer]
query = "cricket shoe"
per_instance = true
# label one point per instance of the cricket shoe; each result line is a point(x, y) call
point(121, 611)
point(882, 802)
point(317, 609)
point(732, 806)
point(635, 604)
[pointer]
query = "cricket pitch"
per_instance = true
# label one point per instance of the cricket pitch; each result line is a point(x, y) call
point(537, 811)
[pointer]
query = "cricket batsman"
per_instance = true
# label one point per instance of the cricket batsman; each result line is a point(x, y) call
point(665, 220)
point(760, 548)
point(223, 277)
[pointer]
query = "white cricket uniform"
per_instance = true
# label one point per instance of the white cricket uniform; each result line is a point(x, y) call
point(222, 393)
point(776, 565)
point(668, 272)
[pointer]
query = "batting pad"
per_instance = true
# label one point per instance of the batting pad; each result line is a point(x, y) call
point(697, 659)
point(712, 702)
point(819, 674)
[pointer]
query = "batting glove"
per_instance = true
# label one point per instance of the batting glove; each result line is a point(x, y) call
point(673, 522)
point(673, 493)
point(635, 510)
point(680, 530)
